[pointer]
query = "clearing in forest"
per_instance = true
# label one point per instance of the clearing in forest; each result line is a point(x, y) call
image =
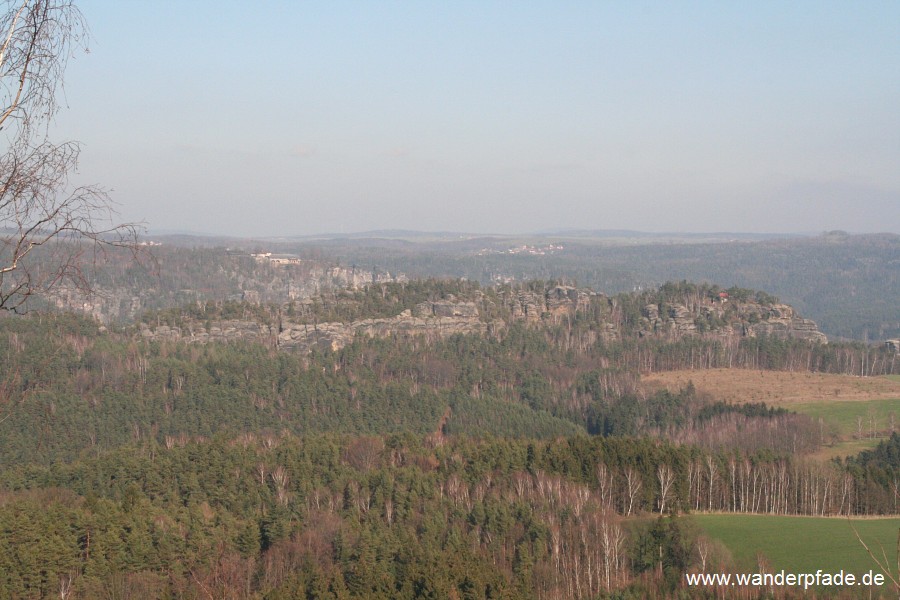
point(858, 412)
point(777, 388)
point(802, 543)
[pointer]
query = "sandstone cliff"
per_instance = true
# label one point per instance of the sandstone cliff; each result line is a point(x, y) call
point(435, 319)
point(230, 279)
point(482, 313)
point(725, 319)
point(782, 322)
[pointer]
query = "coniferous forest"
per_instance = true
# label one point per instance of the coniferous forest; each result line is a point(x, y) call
point(520, 459)
point(563, 414)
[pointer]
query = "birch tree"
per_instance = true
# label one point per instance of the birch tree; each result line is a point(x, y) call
point(666, 477)
point(50, 229)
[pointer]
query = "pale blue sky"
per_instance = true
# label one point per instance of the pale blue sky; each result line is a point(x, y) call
point(281, 118)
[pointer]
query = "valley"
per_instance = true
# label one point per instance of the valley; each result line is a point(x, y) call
point(353, 432)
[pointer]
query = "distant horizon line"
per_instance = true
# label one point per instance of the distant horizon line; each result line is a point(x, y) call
point(562, 232)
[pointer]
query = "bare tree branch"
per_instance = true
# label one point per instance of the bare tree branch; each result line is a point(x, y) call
point(883, 564)
point(48, 227)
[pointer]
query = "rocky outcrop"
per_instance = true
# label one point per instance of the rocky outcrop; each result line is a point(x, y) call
point(555, 302)
point(219, 331)
point(435, 319)
point(333, 336)
point(681, 319)
point(782, 322)
point(677, 319)
point(651, 313)
point(564, 300)
point(450, 316)
point(446, 309)
point(727, 319)
point(252, 282)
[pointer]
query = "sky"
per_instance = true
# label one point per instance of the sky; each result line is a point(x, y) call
point(293, 118)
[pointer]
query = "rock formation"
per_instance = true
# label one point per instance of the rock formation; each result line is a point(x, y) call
point(745, 319)
point(436, 319)
point(451, 316)
point(446, 319)
point(782, 322)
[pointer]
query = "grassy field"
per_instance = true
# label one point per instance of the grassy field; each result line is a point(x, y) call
point(845, 414)
point(779, 388)
point(843, 418)
point(839, 400)
point(845, 448)
point(802, 544)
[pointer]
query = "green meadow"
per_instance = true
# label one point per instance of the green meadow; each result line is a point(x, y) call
point(802, 544)
point(844, 414)
point(843, 419)
point(845, 448)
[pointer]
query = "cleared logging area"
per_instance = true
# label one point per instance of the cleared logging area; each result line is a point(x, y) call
point(778, 388)
point(855, 413)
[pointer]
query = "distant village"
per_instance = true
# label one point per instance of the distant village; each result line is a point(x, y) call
point(277, 259)
point(525, 249)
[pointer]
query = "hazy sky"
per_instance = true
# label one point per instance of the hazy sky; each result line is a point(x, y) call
point(281, 118)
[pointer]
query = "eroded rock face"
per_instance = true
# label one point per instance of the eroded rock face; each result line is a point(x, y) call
point(334, 336)
point(783, 323)
point(651, 313)
point(528, 306)
point(681, 319)
point(446, 309)
point(441, 319)
point(219, 331)
point(555, 302)
point(567, 300)
point(747, 319)
point(251, 284)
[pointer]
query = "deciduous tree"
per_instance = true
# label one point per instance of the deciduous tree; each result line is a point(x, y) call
point(50, 228)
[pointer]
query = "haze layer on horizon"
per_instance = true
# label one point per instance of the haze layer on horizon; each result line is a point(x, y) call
point(284, 118)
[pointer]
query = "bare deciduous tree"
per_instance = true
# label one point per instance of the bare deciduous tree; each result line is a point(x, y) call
point(632, 487)
point(666, 477)
point(50, 229)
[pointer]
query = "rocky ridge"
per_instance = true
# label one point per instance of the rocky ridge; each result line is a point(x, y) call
point(748, 319)
point(251, 283)
point(451, 316)
point(784, 323)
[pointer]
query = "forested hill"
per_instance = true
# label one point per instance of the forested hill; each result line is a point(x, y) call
point(439, 309)
point(848, 284)
point(533, 361)
point(463, 442)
